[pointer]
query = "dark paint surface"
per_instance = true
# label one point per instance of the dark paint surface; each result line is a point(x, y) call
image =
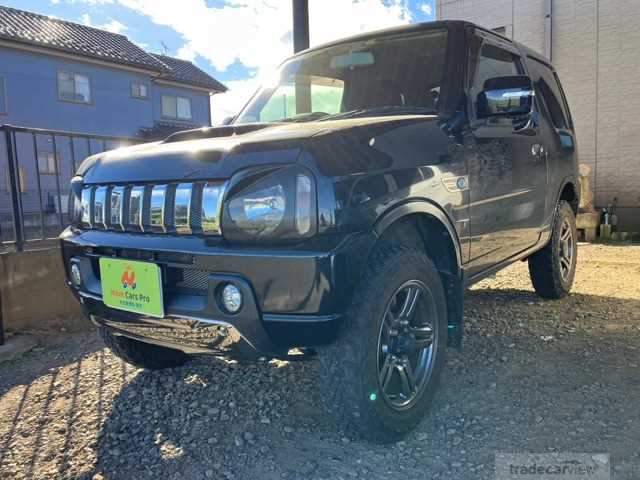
point(487, 184)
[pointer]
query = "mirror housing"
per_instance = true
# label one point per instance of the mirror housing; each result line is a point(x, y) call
point(227, 120)
point(510, 97)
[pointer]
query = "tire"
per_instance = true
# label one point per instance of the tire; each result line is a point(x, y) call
point(552, 273)
point(350, 367)
point(141, 354)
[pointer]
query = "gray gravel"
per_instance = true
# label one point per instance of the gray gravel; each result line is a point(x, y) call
point(533, 376)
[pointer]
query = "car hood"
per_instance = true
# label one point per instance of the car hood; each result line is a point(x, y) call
point(225, 150)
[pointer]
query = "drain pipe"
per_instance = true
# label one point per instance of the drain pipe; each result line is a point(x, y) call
point(548, 26)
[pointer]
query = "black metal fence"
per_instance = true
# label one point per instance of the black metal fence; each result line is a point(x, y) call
point(36, 166)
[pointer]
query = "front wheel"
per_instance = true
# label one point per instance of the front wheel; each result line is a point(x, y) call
point(381, 373)
point(553, 268)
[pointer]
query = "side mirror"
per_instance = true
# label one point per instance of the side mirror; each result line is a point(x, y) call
point(510, 97)
point(227, 121)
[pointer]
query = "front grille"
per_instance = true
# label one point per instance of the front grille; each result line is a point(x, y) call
point(191, 281)
point(184, 208)
point(194, 279)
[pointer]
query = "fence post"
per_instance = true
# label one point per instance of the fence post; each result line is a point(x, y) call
point(15, 187)
point(37, 167)
point(58, 172)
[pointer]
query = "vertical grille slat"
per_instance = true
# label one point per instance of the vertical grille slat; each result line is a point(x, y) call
point(100, 207)
point(158, 207)
point(116, 211)
point(184, 208)
point(136, 201)
point(211, 206)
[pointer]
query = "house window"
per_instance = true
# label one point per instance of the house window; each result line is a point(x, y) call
point(3, 95)
point(73, 87)
point(47, 163)
point(21, 176)
point(139, 90)
point(176, 107)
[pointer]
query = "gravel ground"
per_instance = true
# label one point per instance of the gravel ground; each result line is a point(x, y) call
point(533, 376)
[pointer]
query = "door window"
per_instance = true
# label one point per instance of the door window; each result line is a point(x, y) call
point(489, 61)
point(495, 62)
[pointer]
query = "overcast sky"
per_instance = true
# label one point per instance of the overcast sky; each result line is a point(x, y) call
point(236, 41)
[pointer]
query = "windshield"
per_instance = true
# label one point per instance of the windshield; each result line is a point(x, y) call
point(386, 75)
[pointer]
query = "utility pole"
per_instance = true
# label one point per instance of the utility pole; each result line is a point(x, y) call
point(301, 42)
point(300, 25)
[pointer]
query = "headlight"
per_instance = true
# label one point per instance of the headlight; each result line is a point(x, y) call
point(270, 204)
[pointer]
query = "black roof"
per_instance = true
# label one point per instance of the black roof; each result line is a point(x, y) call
point(459, 25)
point(46, 32)
point(184, 71)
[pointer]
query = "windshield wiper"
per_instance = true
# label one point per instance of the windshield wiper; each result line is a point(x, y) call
point(387, 110)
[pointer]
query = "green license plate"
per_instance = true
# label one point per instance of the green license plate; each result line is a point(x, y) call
point(132, 286)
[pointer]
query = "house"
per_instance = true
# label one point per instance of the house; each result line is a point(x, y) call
point(63, 76)
point(66, 76)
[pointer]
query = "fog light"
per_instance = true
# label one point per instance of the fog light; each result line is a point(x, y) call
point(231, 298)
point(76, 278)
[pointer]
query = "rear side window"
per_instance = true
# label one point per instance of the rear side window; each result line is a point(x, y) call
point(547, 87)
point(565, 104)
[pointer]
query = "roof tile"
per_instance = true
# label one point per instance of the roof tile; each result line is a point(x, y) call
point(47, 32)
point(185, 71)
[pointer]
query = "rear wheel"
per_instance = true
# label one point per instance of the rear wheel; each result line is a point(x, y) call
point(553, 268)
point(141, 354)
point(381, 373)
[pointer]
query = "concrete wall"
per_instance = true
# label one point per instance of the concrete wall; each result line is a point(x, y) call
point(34, 293)
point(595, 46)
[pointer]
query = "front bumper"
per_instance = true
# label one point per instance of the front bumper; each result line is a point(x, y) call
point(293, 297)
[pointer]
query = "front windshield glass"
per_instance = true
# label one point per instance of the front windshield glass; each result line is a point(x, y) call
point(390, 74)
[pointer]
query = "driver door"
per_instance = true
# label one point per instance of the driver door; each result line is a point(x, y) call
point(507, 173)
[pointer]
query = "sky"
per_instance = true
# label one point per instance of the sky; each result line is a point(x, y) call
point(238, 42)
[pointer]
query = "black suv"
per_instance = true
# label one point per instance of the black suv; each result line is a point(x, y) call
point(342, 212)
